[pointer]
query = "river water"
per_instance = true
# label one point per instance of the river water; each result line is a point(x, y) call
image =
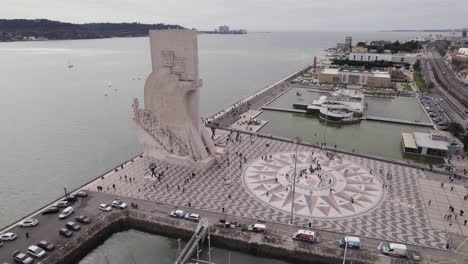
point(142, 248)
point(58, 130)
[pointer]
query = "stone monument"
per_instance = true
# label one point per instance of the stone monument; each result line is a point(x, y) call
point(169, 125)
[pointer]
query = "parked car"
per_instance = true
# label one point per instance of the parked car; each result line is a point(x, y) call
point(119, 204)
point(81, 194)
point(70, 198)
point(29, 222)
point(47, 246)
point(351, 242)
point(177, 214)
point(36, 251)
point(20, 257)
point(8, 236)
point(393, 249)
point(193, 217)
point(65, 232)
point(66, 212)
point(306, 236)
point(72, 226)
point(51, 210)
point(63, 204)
point(104, 207)
point(83, 219)
point(258, 228)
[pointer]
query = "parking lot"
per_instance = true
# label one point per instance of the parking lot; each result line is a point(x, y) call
point(48, 227)
point(433, 107)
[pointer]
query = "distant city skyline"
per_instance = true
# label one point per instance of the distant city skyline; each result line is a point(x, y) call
point(254, 15)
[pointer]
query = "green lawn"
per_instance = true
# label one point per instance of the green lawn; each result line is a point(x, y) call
point(407, 87)
point(397, 75)
point(419, 82)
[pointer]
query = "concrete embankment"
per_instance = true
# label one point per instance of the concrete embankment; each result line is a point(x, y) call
point(270, 245)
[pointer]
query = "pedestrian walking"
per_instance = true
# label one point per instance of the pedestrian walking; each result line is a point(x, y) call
point(429, 203)
point(27, 235)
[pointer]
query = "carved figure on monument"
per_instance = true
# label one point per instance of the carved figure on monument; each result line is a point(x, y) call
point(169, 125)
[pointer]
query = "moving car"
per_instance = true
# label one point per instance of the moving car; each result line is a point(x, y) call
point(73, 226)
point(65, 232)
point(36, 251)
point(20, 257)
point(8, 236)
point(81, 194)
point(66, 212)
point(47, 246)
point(62, 204)
point(119, 204)
point(104, 207)
point(29, 222)
point(351, 242)
point(393, 249)
point(306, 236)
point(51, 210)
point(193, 217)
point(177, 214)
point(83, 219)
point(258, 228)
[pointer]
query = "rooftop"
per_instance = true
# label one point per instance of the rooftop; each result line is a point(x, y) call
point(426, 140)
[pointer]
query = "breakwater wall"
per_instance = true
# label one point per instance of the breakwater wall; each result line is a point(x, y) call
point(269, 245)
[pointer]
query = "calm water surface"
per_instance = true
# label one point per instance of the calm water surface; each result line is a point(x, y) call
point(142, 248)
point(59, 130)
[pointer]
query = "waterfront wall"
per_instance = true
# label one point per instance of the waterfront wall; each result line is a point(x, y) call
point(269, 245)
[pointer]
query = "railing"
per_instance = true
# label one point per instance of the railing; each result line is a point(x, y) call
point(200, 234)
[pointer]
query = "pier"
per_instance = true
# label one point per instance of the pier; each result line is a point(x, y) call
point(297, 111)
point(397, 121)
point(198, 237)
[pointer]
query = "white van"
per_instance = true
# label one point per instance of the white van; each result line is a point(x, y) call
point(394, 249)
point(66, 212)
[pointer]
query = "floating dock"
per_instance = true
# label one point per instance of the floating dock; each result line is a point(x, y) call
point(398, 121)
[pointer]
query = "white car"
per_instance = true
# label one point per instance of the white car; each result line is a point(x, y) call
point(36, 251)
point(66, 212)
point(29, 222)
point(119, 204)
point(193, 217)
point(8, 236)
point(104, 207)
point(177, 214)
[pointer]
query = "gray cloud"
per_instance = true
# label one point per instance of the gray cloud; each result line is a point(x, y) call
point(329, 15)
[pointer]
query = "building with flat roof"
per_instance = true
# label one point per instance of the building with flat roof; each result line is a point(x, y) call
point(399, 58)
point(355, 76)
point(429, 144)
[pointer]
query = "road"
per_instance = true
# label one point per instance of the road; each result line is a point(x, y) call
point(50, 224)
point(448, 80)
point(452, 107)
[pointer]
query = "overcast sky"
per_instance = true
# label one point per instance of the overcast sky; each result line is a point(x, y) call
point(313, 15)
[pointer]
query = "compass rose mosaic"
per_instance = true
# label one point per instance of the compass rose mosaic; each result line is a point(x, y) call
point(325, 188)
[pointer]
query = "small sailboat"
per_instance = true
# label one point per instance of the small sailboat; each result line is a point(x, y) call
point(69, 65)
point(298, 93)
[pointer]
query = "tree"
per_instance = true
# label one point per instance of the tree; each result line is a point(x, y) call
point(361, 44)
point(456, 129)
point(417, 66)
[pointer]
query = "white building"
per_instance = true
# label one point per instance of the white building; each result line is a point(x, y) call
point(402, 58)
point(427, 144)
point(463, 51)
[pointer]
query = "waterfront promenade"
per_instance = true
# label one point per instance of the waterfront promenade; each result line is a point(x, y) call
point(391, 202)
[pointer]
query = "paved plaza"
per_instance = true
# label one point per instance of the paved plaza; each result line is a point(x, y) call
point(368, 198)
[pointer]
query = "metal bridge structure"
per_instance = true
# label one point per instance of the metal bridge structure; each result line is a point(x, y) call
point(201, 233)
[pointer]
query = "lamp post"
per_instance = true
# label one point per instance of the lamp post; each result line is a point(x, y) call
point(291, 221)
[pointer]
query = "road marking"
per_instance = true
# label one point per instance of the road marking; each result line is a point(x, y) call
point(461, 244)
point(441, 260)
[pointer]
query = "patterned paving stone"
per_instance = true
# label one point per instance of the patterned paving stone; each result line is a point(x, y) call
point(390, 208)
